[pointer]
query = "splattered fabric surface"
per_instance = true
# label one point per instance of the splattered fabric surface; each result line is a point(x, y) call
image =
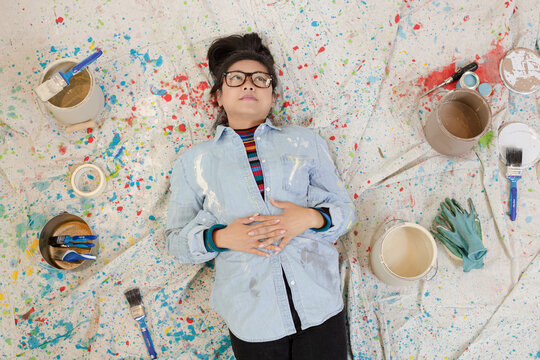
point(351, 70)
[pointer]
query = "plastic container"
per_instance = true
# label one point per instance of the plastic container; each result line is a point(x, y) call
point(403, 253)
point(462, 117)
point(78, 102)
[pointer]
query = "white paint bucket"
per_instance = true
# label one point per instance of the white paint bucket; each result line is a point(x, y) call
point(78, 102)
point(402, 253)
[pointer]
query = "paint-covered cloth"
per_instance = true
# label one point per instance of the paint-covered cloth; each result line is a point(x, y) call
point(212, 183)
point(351, 71)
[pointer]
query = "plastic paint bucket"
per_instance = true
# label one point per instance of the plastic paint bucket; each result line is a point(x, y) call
point(78, 102)
point(519, 70)
point(462, 117)
point(402, 253)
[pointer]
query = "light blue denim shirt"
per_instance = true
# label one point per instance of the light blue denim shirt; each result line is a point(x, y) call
point(212, 183)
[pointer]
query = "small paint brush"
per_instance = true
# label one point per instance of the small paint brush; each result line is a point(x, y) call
point(455, 77)
point(134, 299)
point(514, 157)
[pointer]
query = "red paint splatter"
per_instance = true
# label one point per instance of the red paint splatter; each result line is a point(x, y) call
point(280, 72)
point(89, 130)
point(203, 85)
point(133, 108)
point(62, 288)
point(397, 18)
point(416, 27)
point(332, 138)
point(295, 48)
point(86, 158)
point(167, 97)
point(286, 104)
point(401, 189)
point(130, 119)
point(90, 139)
point(189, 320)
point(127, 342)
point(321, 50)
point(27, 315)
point(355, 196)
point(62, 149)
point(139, 212)
point(182, 128)
point(120, 208)
point(59, 20)
point(174, 117)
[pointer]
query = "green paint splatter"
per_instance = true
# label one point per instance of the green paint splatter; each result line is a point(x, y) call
point(485, 140)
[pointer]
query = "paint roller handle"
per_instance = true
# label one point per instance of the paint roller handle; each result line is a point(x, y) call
point(471, 67)
point(80, 66)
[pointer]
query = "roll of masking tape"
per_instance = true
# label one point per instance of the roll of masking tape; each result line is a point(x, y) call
point(88, 180)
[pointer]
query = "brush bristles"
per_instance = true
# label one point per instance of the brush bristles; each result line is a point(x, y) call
point(514, 157)
point(133, 297)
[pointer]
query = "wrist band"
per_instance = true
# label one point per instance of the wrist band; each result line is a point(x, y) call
point(209, 239)
point(327, 218)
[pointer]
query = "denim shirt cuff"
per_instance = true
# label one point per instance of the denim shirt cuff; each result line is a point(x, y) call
point(209, 239)
point(327, 219)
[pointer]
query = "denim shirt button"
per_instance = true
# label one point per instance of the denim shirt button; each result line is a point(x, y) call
point(292, 283)
point(267, 189)
point(258, 138)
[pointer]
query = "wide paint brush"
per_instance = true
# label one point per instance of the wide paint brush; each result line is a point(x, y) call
point(514, 157)
point(134, 298)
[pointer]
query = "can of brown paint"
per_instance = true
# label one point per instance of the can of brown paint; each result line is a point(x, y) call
point(461, 118)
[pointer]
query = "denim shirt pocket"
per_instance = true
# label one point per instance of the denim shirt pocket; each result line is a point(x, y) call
point(296, 173)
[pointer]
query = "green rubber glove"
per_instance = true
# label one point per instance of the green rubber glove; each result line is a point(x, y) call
point(460, 231)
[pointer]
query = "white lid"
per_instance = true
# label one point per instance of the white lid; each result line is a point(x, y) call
point(521, 136)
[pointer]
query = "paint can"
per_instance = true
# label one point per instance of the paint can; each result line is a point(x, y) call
point(402, 253)
point(65, 224)
point(469, 80)
point(78, 102)
point(519, 70)
point(462, 117)
point(519, 135)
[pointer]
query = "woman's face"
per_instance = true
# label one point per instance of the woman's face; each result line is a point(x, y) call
point(246, 105)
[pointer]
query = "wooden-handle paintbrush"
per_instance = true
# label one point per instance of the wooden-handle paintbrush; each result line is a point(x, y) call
point(134, 298)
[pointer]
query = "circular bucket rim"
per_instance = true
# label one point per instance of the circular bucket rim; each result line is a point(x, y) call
point(448, 133)
point(431, 241)
point(90, 90)
point(503, 79)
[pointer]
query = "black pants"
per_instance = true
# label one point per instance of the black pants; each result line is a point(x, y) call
point(327, 341)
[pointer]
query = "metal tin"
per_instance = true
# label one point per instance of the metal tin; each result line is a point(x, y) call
point(519, 70)
point(65, 224)
point(469, 80)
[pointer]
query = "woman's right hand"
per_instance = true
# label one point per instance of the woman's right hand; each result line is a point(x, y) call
point(235, 236)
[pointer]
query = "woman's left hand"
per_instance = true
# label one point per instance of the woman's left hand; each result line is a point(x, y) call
point(295, 219)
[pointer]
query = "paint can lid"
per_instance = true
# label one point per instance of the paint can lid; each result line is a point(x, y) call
point(521, 136)
point(520, 70)
point(485, 89)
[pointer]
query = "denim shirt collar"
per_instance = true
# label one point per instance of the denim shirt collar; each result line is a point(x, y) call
point(220, 130)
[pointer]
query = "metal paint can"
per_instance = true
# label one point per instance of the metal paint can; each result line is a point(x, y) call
point(519, 70)
point(78, 102)
point(65, 224)
point(469, 80)
point(461, 118)
point(402, 253)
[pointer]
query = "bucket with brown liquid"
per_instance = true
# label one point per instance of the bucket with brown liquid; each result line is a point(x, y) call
point(462, 117)
point(78, 102)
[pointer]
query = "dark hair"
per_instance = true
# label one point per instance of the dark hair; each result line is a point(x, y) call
point(227, 50)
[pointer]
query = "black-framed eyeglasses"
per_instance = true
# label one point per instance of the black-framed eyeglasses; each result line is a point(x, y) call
point(238, 78)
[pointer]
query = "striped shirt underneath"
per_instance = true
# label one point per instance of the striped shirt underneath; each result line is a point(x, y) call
point(248, 137)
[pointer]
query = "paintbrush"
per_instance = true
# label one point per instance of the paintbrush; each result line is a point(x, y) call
point(134, 298)
point(514, 157)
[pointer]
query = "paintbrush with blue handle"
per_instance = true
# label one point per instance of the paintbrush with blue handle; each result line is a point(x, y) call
point(514, 157)
point(134, 299)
